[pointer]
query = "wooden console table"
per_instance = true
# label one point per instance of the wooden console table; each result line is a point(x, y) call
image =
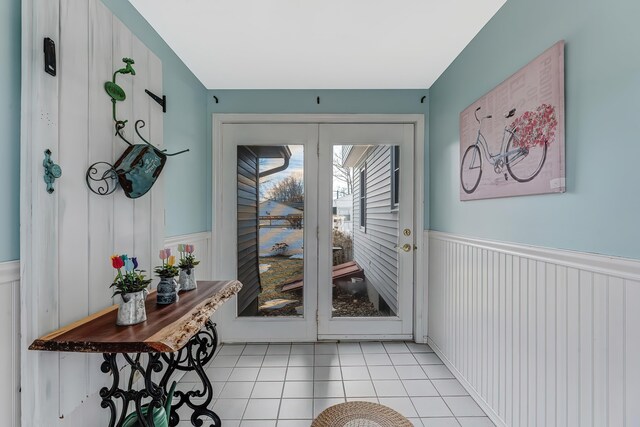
point(179, 335)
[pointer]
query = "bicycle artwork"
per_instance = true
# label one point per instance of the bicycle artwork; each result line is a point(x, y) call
point(522, 151)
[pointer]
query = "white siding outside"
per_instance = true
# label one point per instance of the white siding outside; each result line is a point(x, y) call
point(374, 245)
point(343, 220)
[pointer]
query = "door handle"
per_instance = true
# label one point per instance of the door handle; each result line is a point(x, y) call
point(52, 171)
point(406, 247)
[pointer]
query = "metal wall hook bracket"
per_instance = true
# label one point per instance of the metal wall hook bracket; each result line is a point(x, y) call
point(52, 171)
point(422, 99)
point(160, 100)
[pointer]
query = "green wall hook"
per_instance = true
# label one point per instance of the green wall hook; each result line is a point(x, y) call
point(116, 93)
point(52, 171)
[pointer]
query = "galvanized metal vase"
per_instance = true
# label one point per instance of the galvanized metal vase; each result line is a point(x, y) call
point(187, 279)
point(167, 291)
point(131, 308)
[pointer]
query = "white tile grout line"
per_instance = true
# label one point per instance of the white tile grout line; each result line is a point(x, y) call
point(284, 382)
point(340, 366)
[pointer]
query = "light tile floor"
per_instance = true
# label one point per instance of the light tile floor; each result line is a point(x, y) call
point(287, 385)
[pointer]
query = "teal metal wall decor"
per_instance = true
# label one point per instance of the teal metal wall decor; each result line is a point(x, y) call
point(140, 165)
point(51, 171)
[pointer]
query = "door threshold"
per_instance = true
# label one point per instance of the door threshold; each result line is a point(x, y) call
point(402, 337)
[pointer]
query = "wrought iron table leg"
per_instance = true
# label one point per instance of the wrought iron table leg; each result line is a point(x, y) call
point(150, 390)
point(193, 357)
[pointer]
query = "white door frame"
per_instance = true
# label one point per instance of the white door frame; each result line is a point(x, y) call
point(420, 272)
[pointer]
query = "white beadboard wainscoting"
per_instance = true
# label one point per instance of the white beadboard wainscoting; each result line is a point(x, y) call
point(10, 342)
point(202, 242)
point(540, 337)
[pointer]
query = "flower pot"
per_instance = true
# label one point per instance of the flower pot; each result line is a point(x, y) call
point(167, 291)
point(187, 279)
point(131, 308)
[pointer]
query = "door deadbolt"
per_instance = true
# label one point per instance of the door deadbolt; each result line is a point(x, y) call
point(407, 232)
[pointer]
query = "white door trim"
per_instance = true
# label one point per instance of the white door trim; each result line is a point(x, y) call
point(418, 120)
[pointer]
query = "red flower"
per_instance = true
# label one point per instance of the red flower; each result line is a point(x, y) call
point(117, 262)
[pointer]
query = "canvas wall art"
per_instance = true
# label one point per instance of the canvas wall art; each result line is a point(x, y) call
point(512, 139)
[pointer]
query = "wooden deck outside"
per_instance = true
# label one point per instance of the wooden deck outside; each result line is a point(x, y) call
point(343, 271)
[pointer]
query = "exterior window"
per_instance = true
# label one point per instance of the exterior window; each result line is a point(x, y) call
point(395, 177)
point(363, 198)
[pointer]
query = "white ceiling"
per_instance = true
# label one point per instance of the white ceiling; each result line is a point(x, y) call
point(317, 44)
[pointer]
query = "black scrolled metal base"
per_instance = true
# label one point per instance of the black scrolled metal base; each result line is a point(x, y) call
point(192, 357)
point(151, 394)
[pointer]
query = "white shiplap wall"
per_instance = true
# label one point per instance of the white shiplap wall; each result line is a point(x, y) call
point(68, 236)
point(540, 337)
point(10, 340)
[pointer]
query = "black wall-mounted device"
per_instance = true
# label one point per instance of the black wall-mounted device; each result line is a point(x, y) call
point(49, 56)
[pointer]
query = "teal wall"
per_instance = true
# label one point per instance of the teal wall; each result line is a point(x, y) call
point(9, 130)
point(185, 126)
point(601, 210)
point(304, 102)
point(187, 123)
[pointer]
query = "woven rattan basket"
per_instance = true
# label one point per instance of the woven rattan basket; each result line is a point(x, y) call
point(360, 414)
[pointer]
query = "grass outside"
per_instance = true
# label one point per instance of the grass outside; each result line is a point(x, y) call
point(282, 270)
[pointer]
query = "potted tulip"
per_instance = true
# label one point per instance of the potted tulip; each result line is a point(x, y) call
point(187, 278)
point(130, 290)
point(168, 287)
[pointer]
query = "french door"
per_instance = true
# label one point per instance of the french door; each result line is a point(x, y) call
point(366, 290)
point(316, 220)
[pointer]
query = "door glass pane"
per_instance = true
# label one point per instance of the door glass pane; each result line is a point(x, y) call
point(366, 203)
point(270, 214)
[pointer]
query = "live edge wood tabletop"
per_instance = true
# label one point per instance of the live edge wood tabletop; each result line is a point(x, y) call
point(167, 329)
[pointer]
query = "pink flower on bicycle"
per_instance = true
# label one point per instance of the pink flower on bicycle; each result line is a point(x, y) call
point(535, 127)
